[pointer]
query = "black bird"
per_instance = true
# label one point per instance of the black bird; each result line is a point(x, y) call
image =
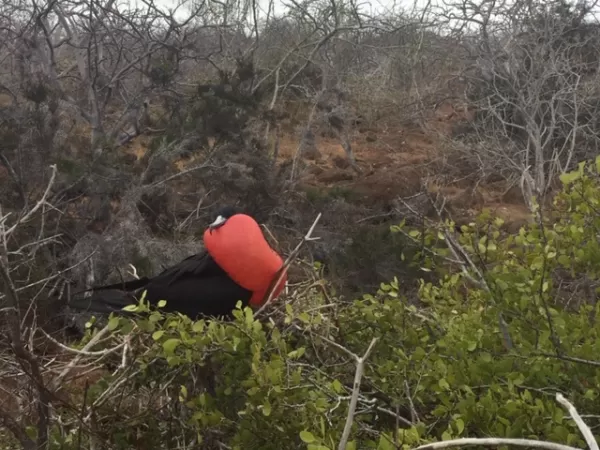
point(196, 287)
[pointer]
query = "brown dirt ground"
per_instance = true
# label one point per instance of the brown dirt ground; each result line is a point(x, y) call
point(395, 162)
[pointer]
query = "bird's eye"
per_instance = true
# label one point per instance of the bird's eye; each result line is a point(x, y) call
point(217, 223)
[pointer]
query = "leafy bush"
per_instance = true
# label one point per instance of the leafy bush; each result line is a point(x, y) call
point(481, 351)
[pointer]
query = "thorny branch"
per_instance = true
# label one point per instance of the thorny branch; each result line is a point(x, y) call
point(292, 256)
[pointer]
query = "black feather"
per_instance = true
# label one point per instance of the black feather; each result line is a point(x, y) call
point(196, 287)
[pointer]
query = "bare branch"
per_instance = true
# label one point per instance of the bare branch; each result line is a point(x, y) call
point(281, 272)
point(585, 430)
point(29, 214)
point(360, 363)
point(494, 442)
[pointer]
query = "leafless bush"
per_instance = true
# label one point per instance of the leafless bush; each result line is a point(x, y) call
point(27, 278)
point(107, 73)
point(531, 74)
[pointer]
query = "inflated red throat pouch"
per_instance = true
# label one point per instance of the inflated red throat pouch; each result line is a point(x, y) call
point(239, 247)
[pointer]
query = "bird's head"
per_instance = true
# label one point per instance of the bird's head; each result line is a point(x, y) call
point(239, 247)
point(222, 216)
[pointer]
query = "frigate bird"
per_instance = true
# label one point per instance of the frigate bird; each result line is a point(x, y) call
point(236, 264)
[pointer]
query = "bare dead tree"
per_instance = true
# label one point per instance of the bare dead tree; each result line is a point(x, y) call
point(531, 77)
point(20, 338)
point(101, 59)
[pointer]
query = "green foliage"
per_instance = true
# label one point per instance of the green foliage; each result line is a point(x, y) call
point(373, 253)
point(481, 352)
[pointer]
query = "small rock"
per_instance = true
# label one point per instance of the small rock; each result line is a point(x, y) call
point(341, 162)
point(335, 175)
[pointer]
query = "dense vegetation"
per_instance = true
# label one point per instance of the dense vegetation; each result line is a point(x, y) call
point(150, 119)
point(479, 352)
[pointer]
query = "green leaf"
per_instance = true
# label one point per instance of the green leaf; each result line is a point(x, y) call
point(249, 316)
point(130, 308)
point(113, 323)
point(385, 443)
point(198, 326)
point(157, 334)
point(295, 354)
point(569, 177)
point(154, 317)
point(162, 303)
point(337, 386)
point(307, 437)
point(304, 317)
point(460, 426)
point(266, 410)
point(590, 394)
point(170, 345)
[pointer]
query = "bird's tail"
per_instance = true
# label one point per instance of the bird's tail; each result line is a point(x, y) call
point(109, 298)
point(103, 302)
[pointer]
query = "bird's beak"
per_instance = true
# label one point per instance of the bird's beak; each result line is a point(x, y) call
point(217, 223)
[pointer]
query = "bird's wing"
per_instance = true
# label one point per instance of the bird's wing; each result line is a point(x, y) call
point(122, 286)
point(194, 265)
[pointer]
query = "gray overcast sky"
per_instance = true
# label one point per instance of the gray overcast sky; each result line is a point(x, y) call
point(369, 6)
point(372, 6)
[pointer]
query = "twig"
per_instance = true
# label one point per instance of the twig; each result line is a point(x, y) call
point(37, 206)
point(59, 379)
point(588, 362)
point(134, 272)
point(281, 272)
point(413, 411)
point(51, 277)
point(179, 174)
point(7, 420)
point(83, 407)
point(585, 430)
point(273, 101)
point(396, 415)
point(495, 442)
point(127, 343)
point(82, 352)
point(26, 359)
point(360, 366)
point(105, 395)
